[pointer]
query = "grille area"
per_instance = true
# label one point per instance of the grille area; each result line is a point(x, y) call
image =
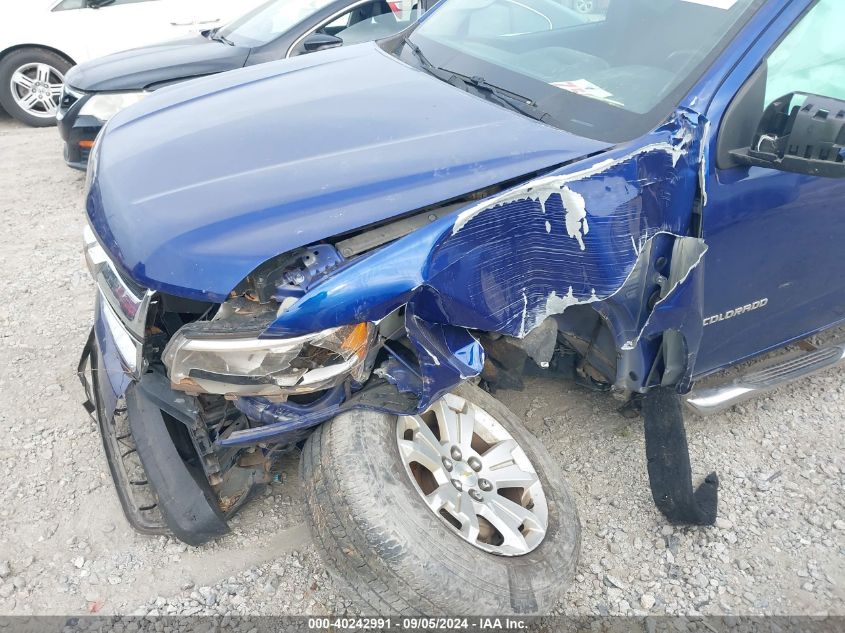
point(69, 97)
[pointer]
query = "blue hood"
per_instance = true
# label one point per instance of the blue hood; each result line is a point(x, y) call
point(200, 183)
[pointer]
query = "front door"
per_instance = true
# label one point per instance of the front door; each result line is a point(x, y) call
point(775, 269)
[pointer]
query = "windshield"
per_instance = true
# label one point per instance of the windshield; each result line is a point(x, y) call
point(269, 21)
point(605, 69)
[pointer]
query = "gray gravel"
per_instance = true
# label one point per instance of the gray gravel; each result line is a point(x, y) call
point(779, 546)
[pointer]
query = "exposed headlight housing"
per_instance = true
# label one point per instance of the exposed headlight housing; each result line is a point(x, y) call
point(105, 105)
point(204, 358)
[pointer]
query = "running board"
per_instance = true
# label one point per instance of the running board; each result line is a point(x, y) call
point(720, 397)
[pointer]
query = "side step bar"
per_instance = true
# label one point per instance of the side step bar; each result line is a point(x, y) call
point(720, 397)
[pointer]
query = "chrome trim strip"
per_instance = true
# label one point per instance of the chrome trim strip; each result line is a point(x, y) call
point(97, 261)
point(763, 379)
point(129, 348)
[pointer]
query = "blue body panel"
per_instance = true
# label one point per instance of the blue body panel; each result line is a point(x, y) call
point(111, 376)
point(266, 167)
point(285, 154)
point(772, 236)
point(582, 235)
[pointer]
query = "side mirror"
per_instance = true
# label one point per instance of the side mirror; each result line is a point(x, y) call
point(801, 133)
point(320, 41)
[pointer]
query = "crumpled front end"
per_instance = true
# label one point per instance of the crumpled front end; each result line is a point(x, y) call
point(616, 234)
point(160, 444)
point(608, 244)
point(593, 270)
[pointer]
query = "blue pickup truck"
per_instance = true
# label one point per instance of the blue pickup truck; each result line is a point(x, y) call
point(352, 253)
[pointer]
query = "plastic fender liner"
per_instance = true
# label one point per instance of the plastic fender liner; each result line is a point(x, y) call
point(669, 470)
point(187, 503)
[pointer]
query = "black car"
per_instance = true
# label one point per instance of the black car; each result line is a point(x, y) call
point(97, 90)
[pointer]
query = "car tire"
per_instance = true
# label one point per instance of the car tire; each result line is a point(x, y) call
point(392, 555)
point(40, 74)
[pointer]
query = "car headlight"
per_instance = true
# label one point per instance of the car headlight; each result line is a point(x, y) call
point(104, 106)
point(203, 357)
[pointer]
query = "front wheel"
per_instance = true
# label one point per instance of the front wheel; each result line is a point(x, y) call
point(456, 511)
point(31, 81)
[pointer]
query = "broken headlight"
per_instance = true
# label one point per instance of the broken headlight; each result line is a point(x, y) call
point(210, 357)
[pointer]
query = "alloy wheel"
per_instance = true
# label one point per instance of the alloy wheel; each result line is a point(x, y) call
point(474, 476)
point(37, 89)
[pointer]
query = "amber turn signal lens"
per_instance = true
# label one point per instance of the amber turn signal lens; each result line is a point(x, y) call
point(356, 340)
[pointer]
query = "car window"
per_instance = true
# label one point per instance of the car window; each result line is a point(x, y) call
point(812, 57)
point(507, 17)
point(372, 21)
point(269, 21)
point(606, 69)
point(517, 17)
point(81, 4)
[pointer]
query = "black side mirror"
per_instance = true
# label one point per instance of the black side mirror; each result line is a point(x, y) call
point(320, 41)
point(805, 138)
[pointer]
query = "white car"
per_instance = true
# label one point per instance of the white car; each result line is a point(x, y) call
point(41, 39)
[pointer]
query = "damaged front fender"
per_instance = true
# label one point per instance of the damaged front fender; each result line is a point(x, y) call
point(612, 230)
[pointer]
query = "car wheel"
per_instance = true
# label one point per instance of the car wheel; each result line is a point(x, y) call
point(458, 510)
point(31, 82)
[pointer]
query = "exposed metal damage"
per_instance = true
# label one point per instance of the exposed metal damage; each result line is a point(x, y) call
point(592, 271)
point(616, 236)
point(612, 234)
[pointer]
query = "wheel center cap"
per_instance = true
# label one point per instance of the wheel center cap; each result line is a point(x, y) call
point(466, 475)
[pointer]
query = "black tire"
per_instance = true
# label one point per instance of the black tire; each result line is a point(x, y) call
point(393, 556)
point(17, 59)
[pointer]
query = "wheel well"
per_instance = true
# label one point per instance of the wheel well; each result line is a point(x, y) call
point(18, 47)
point(577, 343)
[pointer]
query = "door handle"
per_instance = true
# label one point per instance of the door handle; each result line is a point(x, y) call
point(210, 21)
point(181, 23)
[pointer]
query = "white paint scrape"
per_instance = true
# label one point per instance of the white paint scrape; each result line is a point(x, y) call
point(544, 188)
point(576, 214)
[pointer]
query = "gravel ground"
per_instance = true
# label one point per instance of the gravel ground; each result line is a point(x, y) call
point(778, 548)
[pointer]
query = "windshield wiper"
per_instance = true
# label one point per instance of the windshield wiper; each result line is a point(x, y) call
point(509, 99)
point(215, 36)
point(427, 65)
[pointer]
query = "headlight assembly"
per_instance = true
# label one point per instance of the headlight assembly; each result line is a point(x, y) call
point(205, 358)
point(105, 105)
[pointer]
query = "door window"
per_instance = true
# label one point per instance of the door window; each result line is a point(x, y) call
point(812, 57)
point(371, 21)
point(81, 4)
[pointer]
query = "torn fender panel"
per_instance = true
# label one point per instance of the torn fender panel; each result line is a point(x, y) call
point(448, 355)
point(288, 419)
point(590, 233)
